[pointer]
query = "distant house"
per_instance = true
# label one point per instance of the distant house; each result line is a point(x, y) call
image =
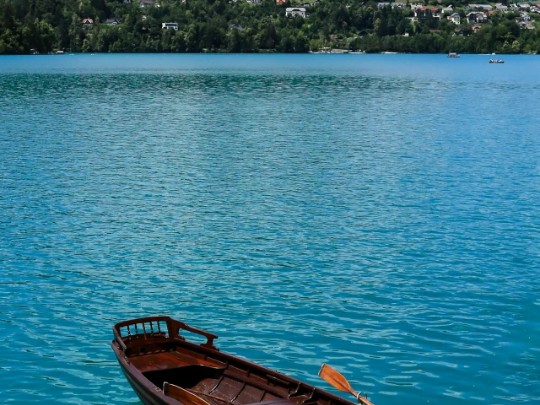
point(87, 22)
point(295, 11)
point(501, 7)
point(236, 27)
point(423, 13)
point(392, 5)
point(455, 18)
point(477, 17)
point(448, 10)
point(113, 21)
point(169, 26)
point(280, 2)
point(483, 7)
point(147, 3)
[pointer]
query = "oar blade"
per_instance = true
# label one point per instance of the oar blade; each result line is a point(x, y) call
point(338, 381)
point(334, 378)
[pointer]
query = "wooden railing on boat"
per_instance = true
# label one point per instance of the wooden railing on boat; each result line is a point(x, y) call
point(157, 328)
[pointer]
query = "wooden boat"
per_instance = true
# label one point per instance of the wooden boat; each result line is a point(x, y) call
point(164, 367)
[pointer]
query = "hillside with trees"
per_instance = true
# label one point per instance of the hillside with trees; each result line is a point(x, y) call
point(54, 26)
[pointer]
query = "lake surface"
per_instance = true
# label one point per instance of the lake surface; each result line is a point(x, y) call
point(377, 212)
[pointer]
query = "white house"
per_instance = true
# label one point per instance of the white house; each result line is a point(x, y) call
point(455, 18)
point(483, 7)
point(448, 9)
point(169, 26)
point(147, 3)
point(477, 17)
point(392, 5)
point(295, 11)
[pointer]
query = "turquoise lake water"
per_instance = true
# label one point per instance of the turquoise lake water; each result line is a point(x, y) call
point(377, 212)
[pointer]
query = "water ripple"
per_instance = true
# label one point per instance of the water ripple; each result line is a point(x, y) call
point(383, 220)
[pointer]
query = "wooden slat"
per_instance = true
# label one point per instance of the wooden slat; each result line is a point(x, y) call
point(183, 395)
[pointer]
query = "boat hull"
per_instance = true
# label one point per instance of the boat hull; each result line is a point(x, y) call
point(149, 394)
point(163, 367)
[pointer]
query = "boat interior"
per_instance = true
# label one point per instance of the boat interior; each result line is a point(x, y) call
point(229, 385)
point(200, 374)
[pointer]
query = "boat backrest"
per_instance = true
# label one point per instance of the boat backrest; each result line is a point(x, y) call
point(143, 328)
point(157, 327)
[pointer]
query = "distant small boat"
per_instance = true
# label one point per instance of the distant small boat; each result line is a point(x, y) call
point(496, 61)
point(331, 50)
point(453, 55)
point(164, 368)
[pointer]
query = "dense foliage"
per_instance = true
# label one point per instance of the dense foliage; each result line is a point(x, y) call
point(43, 26)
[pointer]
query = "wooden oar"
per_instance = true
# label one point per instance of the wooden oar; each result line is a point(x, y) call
point(183, 395)
point(334, 378)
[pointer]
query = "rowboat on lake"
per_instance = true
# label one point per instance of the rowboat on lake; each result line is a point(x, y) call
point(164, 367)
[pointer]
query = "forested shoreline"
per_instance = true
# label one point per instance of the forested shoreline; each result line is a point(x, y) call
point(55, 26)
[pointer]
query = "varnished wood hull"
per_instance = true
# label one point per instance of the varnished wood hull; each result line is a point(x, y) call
point(165, 368)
